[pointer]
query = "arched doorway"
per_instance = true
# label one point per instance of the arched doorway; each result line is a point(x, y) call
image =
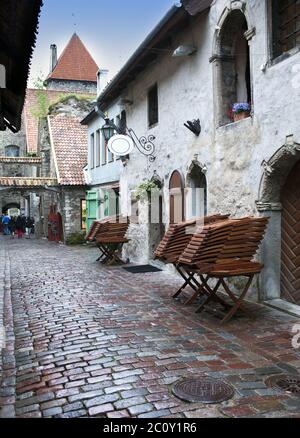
point(197, 191)
point(177, 198)
point(290, 237)
point(12, 209)
point(278, 199)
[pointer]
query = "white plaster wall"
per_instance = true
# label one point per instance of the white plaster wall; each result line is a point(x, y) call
point(233, 154)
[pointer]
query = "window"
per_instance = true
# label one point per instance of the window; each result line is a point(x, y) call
point(153, 106)
point(83, 210)
point(110, 155)
point(197, 193)
point(12, 151)
point(92, 146)
point(103, 151)
point(232, 67)
point(285, 26)
point(98, 152)
point(122, 122)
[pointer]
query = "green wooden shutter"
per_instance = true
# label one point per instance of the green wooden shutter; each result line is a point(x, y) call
point(92, 208)
point(106, 204)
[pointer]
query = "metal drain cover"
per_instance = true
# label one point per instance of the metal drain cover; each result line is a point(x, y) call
point(203, 390)
point(287, 383)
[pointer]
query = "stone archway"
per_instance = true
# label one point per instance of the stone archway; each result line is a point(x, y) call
point(231, 59)
point(196, 192)
point(275, 174)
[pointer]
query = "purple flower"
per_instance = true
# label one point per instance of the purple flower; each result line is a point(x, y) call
point(241, 107)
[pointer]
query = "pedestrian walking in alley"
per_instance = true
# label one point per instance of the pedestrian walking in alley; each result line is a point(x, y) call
point(5, 223)
point(20, 226)
point(12, 226)
point(29, 226)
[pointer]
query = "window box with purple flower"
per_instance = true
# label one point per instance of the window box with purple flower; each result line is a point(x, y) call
point(241, 111)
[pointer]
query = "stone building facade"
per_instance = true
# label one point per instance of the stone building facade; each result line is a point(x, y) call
point(226, 52)
point(63, 151)
point(38, 174)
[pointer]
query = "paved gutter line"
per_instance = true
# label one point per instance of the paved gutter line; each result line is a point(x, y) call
point(8, 383)
point(2, 281)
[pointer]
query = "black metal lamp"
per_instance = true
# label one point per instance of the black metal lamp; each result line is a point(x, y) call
point(108, 129)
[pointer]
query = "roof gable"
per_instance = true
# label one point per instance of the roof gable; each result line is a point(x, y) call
point(70, 146)
point(75, 63)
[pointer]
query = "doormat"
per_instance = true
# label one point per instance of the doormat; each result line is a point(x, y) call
point(142, 269)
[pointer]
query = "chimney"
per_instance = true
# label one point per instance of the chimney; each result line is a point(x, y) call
point(102, 80)
point(53, 58)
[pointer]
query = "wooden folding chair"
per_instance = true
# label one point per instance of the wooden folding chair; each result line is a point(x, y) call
point(174, 243)
point(224, 251)
point(111, 239)
point(109, 236)
point(94, 230)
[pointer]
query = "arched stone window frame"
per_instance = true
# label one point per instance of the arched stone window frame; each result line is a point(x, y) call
point(12, 146)
point(217, 59)
point(202, 169)
point(275, 173)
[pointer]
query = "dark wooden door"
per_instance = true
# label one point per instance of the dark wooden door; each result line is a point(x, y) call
point(177, 198)
point(290, 253)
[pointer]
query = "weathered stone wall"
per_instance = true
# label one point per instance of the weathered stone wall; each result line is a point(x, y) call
point(8, 138)
point(232, 154)
point(72, 86)
point(70, 208)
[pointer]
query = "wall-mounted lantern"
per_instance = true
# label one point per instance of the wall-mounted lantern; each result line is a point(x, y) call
point(107, 130)
point(124, 139)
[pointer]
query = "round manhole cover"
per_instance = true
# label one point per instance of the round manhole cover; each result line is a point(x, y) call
point(203, 390)
point(289, 384)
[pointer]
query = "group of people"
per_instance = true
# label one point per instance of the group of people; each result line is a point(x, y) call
point(16, 226)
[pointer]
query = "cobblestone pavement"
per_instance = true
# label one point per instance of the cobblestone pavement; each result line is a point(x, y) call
point(83, 340)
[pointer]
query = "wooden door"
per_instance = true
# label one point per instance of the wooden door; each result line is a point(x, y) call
point(290, 253)
point(177, 198)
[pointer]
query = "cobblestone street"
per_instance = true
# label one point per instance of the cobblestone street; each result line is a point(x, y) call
point(84, 340)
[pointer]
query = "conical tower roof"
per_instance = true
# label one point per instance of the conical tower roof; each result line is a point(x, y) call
point(75, 63)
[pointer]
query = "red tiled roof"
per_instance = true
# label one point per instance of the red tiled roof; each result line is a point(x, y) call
point(69, 142)
point(31, 110)
point(75, 63)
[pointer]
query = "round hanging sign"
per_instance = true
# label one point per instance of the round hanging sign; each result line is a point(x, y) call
point(121, 145)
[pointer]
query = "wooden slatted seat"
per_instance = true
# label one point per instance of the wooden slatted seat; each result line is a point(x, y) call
point(174, 243)
point(225, 250)
point(109, 233)
point(95, 229)
point(110, 239)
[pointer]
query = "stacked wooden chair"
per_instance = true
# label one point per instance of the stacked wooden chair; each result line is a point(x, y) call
point(222, 251)
point(174, 243)
point(94, 231)
point(110, 237)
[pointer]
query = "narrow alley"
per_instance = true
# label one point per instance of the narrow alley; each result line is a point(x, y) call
point(83, 340)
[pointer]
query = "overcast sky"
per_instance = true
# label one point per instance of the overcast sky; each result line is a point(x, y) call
point(110, 29)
